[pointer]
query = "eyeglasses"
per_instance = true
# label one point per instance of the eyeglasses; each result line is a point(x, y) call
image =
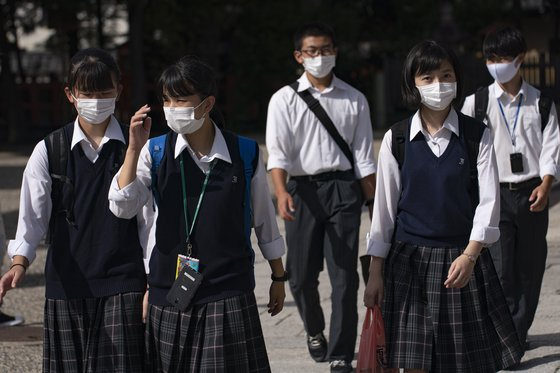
point(314, 52)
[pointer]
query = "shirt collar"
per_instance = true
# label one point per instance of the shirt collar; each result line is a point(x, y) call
point(219, 147)
point(499, 92)
point(113, 132)
point(450, 123)
point(304, 84)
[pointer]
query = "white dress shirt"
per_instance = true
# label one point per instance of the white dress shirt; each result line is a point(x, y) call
point(297, 141)
point(388, 191)
point(136, 198)
point(540, 149)
point(35, 202)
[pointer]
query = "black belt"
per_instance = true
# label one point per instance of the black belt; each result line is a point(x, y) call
point(522, 185)
point(326, 176)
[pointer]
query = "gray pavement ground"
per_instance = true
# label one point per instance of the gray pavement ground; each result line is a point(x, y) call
point(21, 347)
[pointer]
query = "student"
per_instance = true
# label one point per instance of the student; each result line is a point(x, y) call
point(95, 276)
point(443, 306)
point(527, 144)
point(329, 182)
point(204, 203)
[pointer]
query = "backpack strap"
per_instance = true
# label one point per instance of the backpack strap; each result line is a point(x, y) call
point(545, 104)
point(471, 132)
point(400, 133)
point(58, 151)
point(249, 152)
point(315, 106)
point(157, 151)
point(481, 103)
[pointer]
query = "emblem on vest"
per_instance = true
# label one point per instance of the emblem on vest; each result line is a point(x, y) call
point(234, 180)
point(461, 161)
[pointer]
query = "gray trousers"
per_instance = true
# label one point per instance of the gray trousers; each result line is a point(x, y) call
point(520, 257)
point(326, 228)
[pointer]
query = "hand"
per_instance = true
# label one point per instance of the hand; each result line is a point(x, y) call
point(459, 273)
point(540, 198)
point(286, 207)
point(140, 125)
point(145, 307)
point(373, 295)
point(277, 296)
point(10, 280)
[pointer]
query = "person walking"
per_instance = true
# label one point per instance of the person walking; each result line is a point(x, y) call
point(319, 133)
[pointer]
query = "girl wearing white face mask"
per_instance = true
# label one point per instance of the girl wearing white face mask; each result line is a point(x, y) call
point(209, 187)
point(94, 268)
point(437, 276)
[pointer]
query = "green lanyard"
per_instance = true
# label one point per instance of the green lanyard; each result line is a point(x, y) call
point(188, 231)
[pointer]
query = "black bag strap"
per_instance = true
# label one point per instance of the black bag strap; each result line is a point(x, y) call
point(321, 114)
point(481, 103)
point(545, 104)
point(399, 132)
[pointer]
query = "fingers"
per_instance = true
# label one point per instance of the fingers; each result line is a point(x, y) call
point(145, 307)
point(534, 194)
point(538, 205)
point(286, 208)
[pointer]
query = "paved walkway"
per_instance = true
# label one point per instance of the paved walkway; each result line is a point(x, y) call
point(20, 347)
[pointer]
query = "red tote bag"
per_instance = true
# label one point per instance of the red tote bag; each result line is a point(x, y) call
point(372, 353)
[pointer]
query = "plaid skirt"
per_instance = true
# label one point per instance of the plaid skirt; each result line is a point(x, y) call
point(221, 336)
point(94, 335)
point(436, 329)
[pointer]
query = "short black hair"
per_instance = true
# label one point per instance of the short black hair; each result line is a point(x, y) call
point(504, 42)
point(313, 29)
point(93, 70)
point(424, 57)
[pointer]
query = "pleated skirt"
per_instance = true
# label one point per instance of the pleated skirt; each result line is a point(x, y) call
point(221, 336)
point(437, 329)
point(94, 335)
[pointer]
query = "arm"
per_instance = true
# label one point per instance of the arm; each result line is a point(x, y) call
point(268, 235)
point(486, 219)
point(284, 200)
point(548, 162)
point(379, 239)
point(368, 191)
point(34, 214)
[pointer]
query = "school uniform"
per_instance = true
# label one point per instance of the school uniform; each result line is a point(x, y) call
point(520, 257)
point(95, 275)
point(221, 331)
point(423, 219)
point(328, 201)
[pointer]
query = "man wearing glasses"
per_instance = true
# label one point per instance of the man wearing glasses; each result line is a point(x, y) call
point(331, 175)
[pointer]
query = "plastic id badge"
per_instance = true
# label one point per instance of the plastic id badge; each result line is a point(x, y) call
point(183, 260)
point(184, 288)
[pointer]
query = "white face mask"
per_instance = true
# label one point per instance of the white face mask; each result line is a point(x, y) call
point(503, 72)
point(95, 110)
point(319, 66)
point(181, 119)
point(438, 96)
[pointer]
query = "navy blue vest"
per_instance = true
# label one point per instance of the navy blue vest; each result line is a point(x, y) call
point(436, 207)
point(219, 238)
point(100, 255)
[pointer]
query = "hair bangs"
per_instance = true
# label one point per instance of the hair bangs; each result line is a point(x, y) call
point(173, 84)
point(92, 76)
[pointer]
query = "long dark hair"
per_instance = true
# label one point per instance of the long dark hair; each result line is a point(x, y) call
point(93, 70)
point(191, 76)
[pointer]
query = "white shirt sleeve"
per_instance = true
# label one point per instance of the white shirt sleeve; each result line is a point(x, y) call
point(279, 139)
point(264, 216)
point(387, 195)
point(468, 106)
point(362, 149)
point(35, 205)
point(550, 154)
point(487, 214)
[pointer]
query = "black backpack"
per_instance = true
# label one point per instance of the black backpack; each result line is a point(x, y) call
point(471, 131)
point(481, 98)
point(58, 151)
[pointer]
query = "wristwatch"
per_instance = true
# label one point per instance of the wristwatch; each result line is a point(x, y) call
point(281, 278)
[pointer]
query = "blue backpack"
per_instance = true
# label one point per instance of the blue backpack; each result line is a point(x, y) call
point(248, 150)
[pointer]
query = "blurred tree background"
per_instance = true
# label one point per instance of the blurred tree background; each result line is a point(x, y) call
point(248, 42)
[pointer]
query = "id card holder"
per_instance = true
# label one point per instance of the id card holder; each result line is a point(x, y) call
point(183, 260)
point(184, 288)
point(516, 161)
